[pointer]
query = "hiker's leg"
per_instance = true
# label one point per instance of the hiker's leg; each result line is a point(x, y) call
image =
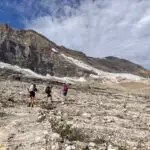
point(47, 99)
point(65, 96)
point(33, 98)
point(29, 102)
point(64, 99)
point(33, 101)
point(51, 98)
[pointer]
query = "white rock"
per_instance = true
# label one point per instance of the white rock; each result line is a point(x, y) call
point(86, 115)
point(58, 117)
point(73, 147)
point(66, 145)
point(110, 147)
point(56, 137)
point(59, 113)
point(55, 147)
point(91, 144)
point(70, 122)
point(65, 115)
point(41, 118)
point(38, 139)
point(68, 148)
point(45, 132)
point(43, 141)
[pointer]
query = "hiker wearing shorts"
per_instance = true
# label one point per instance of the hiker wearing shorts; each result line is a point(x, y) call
point(65, 90)
point(48, 91)
point(32, 89)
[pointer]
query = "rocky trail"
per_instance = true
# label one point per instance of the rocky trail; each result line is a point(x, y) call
point(21, 129)
point(95, 117)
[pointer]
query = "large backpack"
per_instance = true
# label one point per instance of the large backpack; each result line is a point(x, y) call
point(48, 89)
point(32, 88)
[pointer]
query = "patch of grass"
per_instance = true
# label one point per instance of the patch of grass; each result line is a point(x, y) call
point(11, 99)
point(99, 140)
point(3, 114)
point(122, 148)
point(67, 131)
point(120, 116)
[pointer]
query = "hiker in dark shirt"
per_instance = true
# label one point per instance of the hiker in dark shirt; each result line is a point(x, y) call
point(48, 91)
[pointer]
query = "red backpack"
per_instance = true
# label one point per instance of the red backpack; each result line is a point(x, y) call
point(65, 88)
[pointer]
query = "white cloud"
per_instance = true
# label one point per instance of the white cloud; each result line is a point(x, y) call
point(102, 28)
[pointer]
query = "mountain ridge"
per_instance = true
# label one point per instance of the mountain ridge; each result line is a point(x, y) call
point(30, 49)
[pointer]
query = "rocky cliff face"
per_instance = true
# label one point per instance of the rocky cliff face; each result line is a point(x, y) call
point(29, 49)
point(114, 64)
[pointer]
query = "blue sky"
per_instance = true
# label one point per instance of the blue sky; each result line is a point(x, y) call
point(18, 12)
point(99, 28)
point(10, 16)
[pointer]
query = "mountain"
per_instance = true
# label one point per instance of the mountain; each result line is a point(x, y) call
point(28, 49)
point(31, 50)
point(114, 64)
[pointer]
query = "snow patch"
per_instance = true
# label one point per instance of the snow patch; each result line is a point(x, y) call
point(54, 50)
point(30, 73)
point(94, 76)
point(114, 77)
point(81, 64)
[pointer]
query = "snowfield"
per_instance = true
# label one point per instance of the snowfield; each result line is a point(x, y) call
point(114, 77)
point(30, 73)
point(106, 76)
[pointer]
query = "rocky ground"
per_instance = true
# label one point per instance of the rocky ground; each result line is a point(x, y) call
point(95, 116)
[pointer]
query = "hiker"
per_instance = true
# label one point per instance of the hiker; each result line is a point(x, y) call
point(48, 91)
point(32, 89)
point(65, 90)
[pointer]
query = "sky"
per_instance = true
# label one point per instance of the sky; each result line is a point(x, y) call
point(98, 28)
